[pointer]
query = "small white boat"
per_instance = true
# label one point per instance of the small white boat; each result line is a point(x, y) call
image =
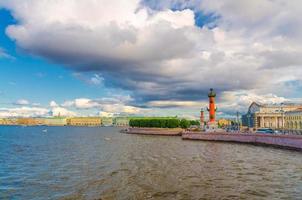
point(44, 130)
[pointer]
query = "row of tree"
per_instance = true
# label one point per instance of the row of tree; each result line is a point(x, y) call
point(162, 122)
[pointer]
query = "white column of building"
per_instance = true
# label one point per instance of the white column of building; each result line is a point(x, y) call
point(262, 122)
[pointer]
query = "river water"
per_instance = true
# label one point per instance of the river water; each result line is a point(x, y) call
point(101, 163)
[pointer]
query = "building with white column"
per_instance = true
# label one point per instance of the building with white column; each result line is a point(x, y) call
point(293, 121)
point(268, 115)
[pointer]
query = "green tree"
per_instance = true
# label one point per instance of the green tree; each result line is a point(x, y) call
point(194, 122)
point(184, 123)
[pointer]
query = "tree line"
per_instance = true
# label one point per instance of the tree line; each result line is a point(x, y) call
point(162, 123)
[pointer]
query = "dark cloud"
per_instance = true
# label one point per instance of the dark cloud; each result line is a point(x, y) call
point(155, 49)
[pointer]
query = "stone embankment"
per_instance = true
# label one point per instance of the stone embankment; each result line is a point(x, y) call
point(155, 131)
point(283, 141)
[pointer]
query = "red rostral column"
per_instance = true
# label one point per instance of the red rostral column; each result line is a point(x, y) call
point(212, 108)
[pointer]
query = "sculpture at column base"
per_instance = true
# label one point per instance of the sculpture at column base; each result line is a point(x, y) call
point(212, 127)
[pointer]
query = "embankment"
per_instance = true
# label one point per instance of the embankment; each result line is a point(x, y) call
point(283, 141)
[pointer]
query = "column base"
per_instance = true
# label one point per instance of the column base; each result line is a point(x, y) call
point(212, 126)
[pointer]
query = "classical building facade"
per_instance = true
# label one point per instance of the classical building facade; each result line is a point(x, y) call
point(107, 121)
point(84, 121)
point(55, 121)
point(8, 121)
point(268, 115)
point(293, 121)
point(30, 121)
point(120, 121)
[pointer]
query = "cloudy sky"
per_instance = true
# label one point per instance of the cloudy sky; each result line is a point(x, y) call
point(152, 57)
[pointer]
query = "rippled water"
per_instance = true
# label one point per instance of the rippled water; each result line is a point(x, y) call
point(101, 163)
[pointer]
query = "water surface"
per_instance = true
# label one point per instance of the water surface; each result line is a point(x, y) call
point(101, 163)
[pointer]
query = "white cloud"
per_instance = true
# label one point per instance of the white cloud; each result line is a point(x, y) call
point(60, 111)
point(85, 103)
point(94, 79)
point(22, 102)
point(107, 106)
point(36, 104)
point(53, 104)
point(57, 110)
point(238, 101)
point(23, 112)
point(160, 54)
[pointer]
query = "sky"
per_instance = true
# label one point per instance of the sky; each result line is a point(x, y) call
point(147, 58)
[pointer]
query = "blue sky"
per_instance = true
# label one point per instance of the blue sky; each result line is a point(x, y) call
point(147, 58)
point(39, 81)
point(25, 76)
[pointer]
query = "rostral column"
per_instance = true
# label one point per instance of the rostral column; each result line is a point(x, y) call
point(201, 119)
point(212, 108)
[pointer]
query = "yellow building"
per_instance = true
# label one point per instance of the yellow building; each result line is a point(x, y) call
point(84, 121)
point(30, 121)
point(8, 121)
point(293, 121)
point(224, 122)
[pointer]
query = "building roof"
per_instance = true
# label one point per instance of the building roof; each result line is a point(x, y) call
point(255, 106)
point(299, 110)
point(277, 105)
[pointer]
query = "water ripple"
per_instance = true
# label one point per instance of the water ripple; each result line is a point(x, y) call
point(101, 163)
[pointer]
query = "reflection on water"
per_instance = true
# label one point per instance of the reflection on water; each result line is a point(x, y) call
point(101, 163)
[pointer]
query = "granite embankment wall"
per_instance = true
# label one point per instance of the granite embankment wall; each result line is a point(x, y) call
point(285, 141)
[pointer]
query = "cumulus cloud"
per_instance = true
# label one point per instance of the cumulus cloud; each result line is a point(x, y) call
point(60, 111)
point(22, 102)
point(57, 110)
point(106, 114)
point(107, 106)
point(53, 104)
point(158, 52)
point(239, 101)
point(24, 111)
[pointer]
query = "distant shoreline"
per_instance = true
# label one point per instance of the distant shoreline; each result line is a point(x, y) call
point(59, 126)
